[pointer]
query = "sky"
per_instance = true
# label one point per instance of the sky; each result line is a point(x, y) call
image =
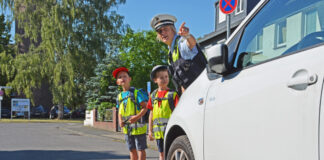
point(199, 15)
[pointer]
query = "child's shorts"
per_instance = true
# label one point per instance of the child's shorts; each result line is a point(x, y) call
point(160, 143)
point(137, 142)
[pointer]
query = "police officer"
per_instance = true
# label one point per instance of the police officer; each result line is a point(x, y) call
point(186, 60)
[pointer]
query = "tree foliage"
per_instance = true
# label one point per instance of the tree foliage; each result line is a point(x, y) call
point(6, 51)
point(102, 87)
point(138, 51)
point(69, 38)
point(141, 51)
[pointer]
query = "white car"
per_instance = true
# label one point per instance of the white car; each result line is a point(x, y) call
point(260, 97)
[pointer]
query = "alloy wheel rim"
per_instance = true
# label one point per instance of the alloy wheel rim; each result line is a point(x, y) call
point(179, 154)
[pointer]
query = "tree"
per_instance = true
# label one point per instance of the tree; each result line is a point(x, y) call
point(69, 38)
point(102, 86)
point(101, 89)
point(141, 51)
point(6, 54)
point(6, 51)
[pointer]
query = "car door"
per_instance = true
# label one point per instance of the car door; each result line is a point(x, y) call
point(269, 108)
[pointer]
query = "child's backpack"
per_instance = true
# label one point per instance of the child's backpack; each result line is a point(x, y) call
point(145, 118)
point(169, 98)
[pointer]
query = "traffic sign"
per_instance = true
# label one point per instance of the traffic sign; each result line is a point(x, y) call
point(5, 87)
point(227, 6)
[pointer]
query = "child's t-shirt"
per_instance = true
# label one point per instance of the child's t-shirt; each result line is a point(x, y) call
point(161, 94)
point(140, 98)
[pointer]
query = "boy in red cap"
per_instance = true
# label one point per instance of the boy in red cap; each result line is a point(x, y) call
point(131, 107)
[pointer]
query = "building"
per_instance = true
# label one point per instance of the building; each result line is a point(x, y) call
point(243, 8)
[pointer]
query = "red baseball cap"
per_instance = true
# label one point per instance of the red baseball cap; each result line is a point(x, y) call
point(117, 70)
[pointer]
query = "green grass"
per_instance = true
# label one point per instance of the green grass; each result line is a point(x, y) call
point(39, 121)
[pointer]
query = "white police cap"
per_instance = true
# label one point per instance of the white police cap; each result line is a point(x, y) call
point(161, 20)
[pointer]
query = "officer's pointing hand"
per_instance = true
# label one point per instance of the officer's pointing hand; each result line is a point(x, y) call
point(183, 31)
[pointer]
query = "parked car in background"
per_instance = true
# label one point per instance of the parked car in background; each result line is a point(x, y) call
point(5, 113)
point(54, 112)
point(38, 111)
point(78, 113)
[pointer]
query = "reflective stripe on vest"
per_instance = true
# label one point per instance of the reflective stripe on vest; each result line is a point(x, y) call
point(128, 111)
point(161, 114)
point(159, 129)
point(160, 121)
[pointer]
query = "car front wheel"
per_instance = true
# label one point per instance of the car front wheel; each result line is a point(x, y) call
point(181, 149)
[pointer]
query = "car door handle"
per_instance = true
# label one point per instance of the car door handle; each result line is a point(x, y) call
point(301, 79)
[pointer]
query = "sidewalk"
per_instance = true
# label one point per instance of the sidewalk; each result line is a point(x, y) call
point(90, 131)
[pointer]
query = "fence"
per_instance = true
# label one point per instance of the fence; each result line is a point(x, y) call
point(109, 120)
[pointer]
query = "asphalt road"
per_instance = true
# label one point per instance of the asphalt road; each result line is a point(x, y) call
point(61, 141)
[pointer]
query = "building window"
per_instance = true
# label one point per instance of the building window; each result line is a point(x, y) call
point(259, 42)
point(310, 22)
point(221, 16)
point(239, 8)
point(281, 33)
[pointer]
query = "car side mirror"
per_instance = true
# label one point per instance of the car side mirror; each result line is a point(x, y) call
point(217, 57)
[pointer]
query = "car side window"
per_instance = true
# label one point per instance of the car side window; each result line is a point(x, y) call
point(280, 28)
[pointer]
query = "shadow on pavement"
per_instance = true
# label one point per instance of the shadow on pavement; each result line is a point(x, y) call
point(58, 155)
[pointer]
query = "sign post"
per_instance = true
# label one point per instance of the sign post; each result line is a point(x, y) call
point(148, 87)
point(227, 7)
point(1, 94)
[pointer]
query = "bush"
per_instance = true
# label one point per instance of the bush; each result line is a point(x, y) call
point(102, 110)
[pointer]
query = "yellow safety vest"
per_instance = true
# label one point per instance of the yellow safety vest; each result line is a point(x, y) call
point(129, 110)
point(161, 114)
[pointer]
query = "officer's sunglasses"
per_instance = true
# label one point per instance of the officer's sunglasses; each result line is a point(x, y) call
point(163, 29)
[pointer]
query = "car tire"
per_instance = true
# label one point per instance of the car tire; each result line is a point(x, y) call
point(180, 149)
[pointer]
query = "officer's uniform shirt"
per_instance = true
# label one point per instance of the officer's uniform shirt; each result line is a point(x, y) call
point(185, 51)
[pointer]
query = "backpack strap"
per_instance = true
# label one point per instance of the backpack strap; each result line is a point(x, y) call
point(132, 95)
point(153, 96)
point(170, 100)
point(117, 100)
point(133, 98)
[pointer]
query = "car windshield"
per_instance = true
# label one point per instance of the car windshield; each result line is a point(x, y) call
point(39, 108)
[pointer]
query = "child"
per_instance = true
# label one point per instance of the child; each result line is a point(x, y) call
point(130, 114)
point(162, 102)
